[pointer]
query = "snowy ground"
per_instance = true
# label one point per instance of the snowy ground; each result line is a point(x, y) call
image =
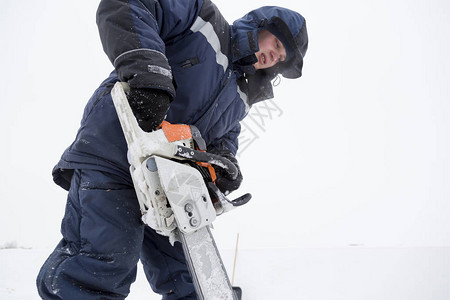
point(352, 273)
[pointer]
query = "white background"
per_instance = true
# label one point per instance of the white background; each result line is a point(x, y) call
point(359, 157)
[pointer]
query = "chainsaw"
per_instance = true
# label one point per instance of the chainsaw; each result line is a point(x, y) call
point(174, 177)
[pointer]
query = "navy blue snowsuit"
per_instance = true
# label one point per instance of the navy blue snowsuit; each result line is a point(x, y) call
point(187, 49)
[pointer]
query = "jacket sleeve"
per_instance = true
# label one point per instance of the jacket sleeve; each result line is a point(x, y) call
point(134, 33)
point(228, 141)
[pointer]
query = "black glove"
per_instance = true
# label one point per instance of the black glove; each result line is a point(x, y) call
point(149, 106)
point(225, 181)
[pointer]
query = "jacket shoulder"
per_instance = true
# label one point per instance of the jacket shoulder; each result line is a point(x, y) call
point(213, 25)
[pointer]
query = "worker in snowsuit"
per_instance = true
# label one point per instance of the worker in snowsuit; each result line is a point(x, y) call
point(184, 63)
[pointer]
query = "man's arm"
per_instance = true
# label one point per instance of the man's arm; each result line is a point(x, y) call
point(227, 146)
point(134, 33)
point(227, 141)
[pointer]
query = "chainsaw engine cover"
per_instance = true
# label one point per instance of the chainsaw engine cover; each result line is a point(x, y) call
point(186, 193)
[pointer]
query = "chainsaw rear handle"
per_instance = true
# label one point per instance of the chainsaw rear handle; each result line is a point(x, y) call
point(213, 159)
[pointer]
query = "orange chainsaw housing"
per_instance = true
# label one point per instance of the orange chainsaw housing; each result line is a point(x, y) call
point(179, 132)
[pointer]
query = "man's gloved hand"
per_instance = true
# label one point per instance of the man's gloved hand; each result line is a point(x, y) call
point(149, 106)
point(224, 181)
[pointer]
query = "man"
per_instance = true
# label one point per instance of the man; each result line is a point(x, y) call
point(186, 64)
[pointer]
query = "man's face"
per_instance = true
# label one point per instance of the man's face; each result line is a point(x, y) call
point(271, 50)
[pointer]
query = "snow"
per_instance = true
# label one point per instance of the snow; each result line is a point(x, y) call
point(349, 273)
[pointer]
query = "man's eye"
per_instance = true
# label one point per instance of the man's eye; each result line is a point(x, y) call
point(278, 45)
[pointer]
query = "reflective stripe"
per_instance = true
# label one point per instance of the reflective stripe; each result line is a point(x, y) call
point(140, 50)
point(159, 70)
point(244, 98)
point(207, 30)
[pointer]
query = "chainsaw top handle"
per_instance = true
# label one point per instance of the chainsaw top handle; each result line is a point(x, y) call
point(213, 159)
point(177, 132)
